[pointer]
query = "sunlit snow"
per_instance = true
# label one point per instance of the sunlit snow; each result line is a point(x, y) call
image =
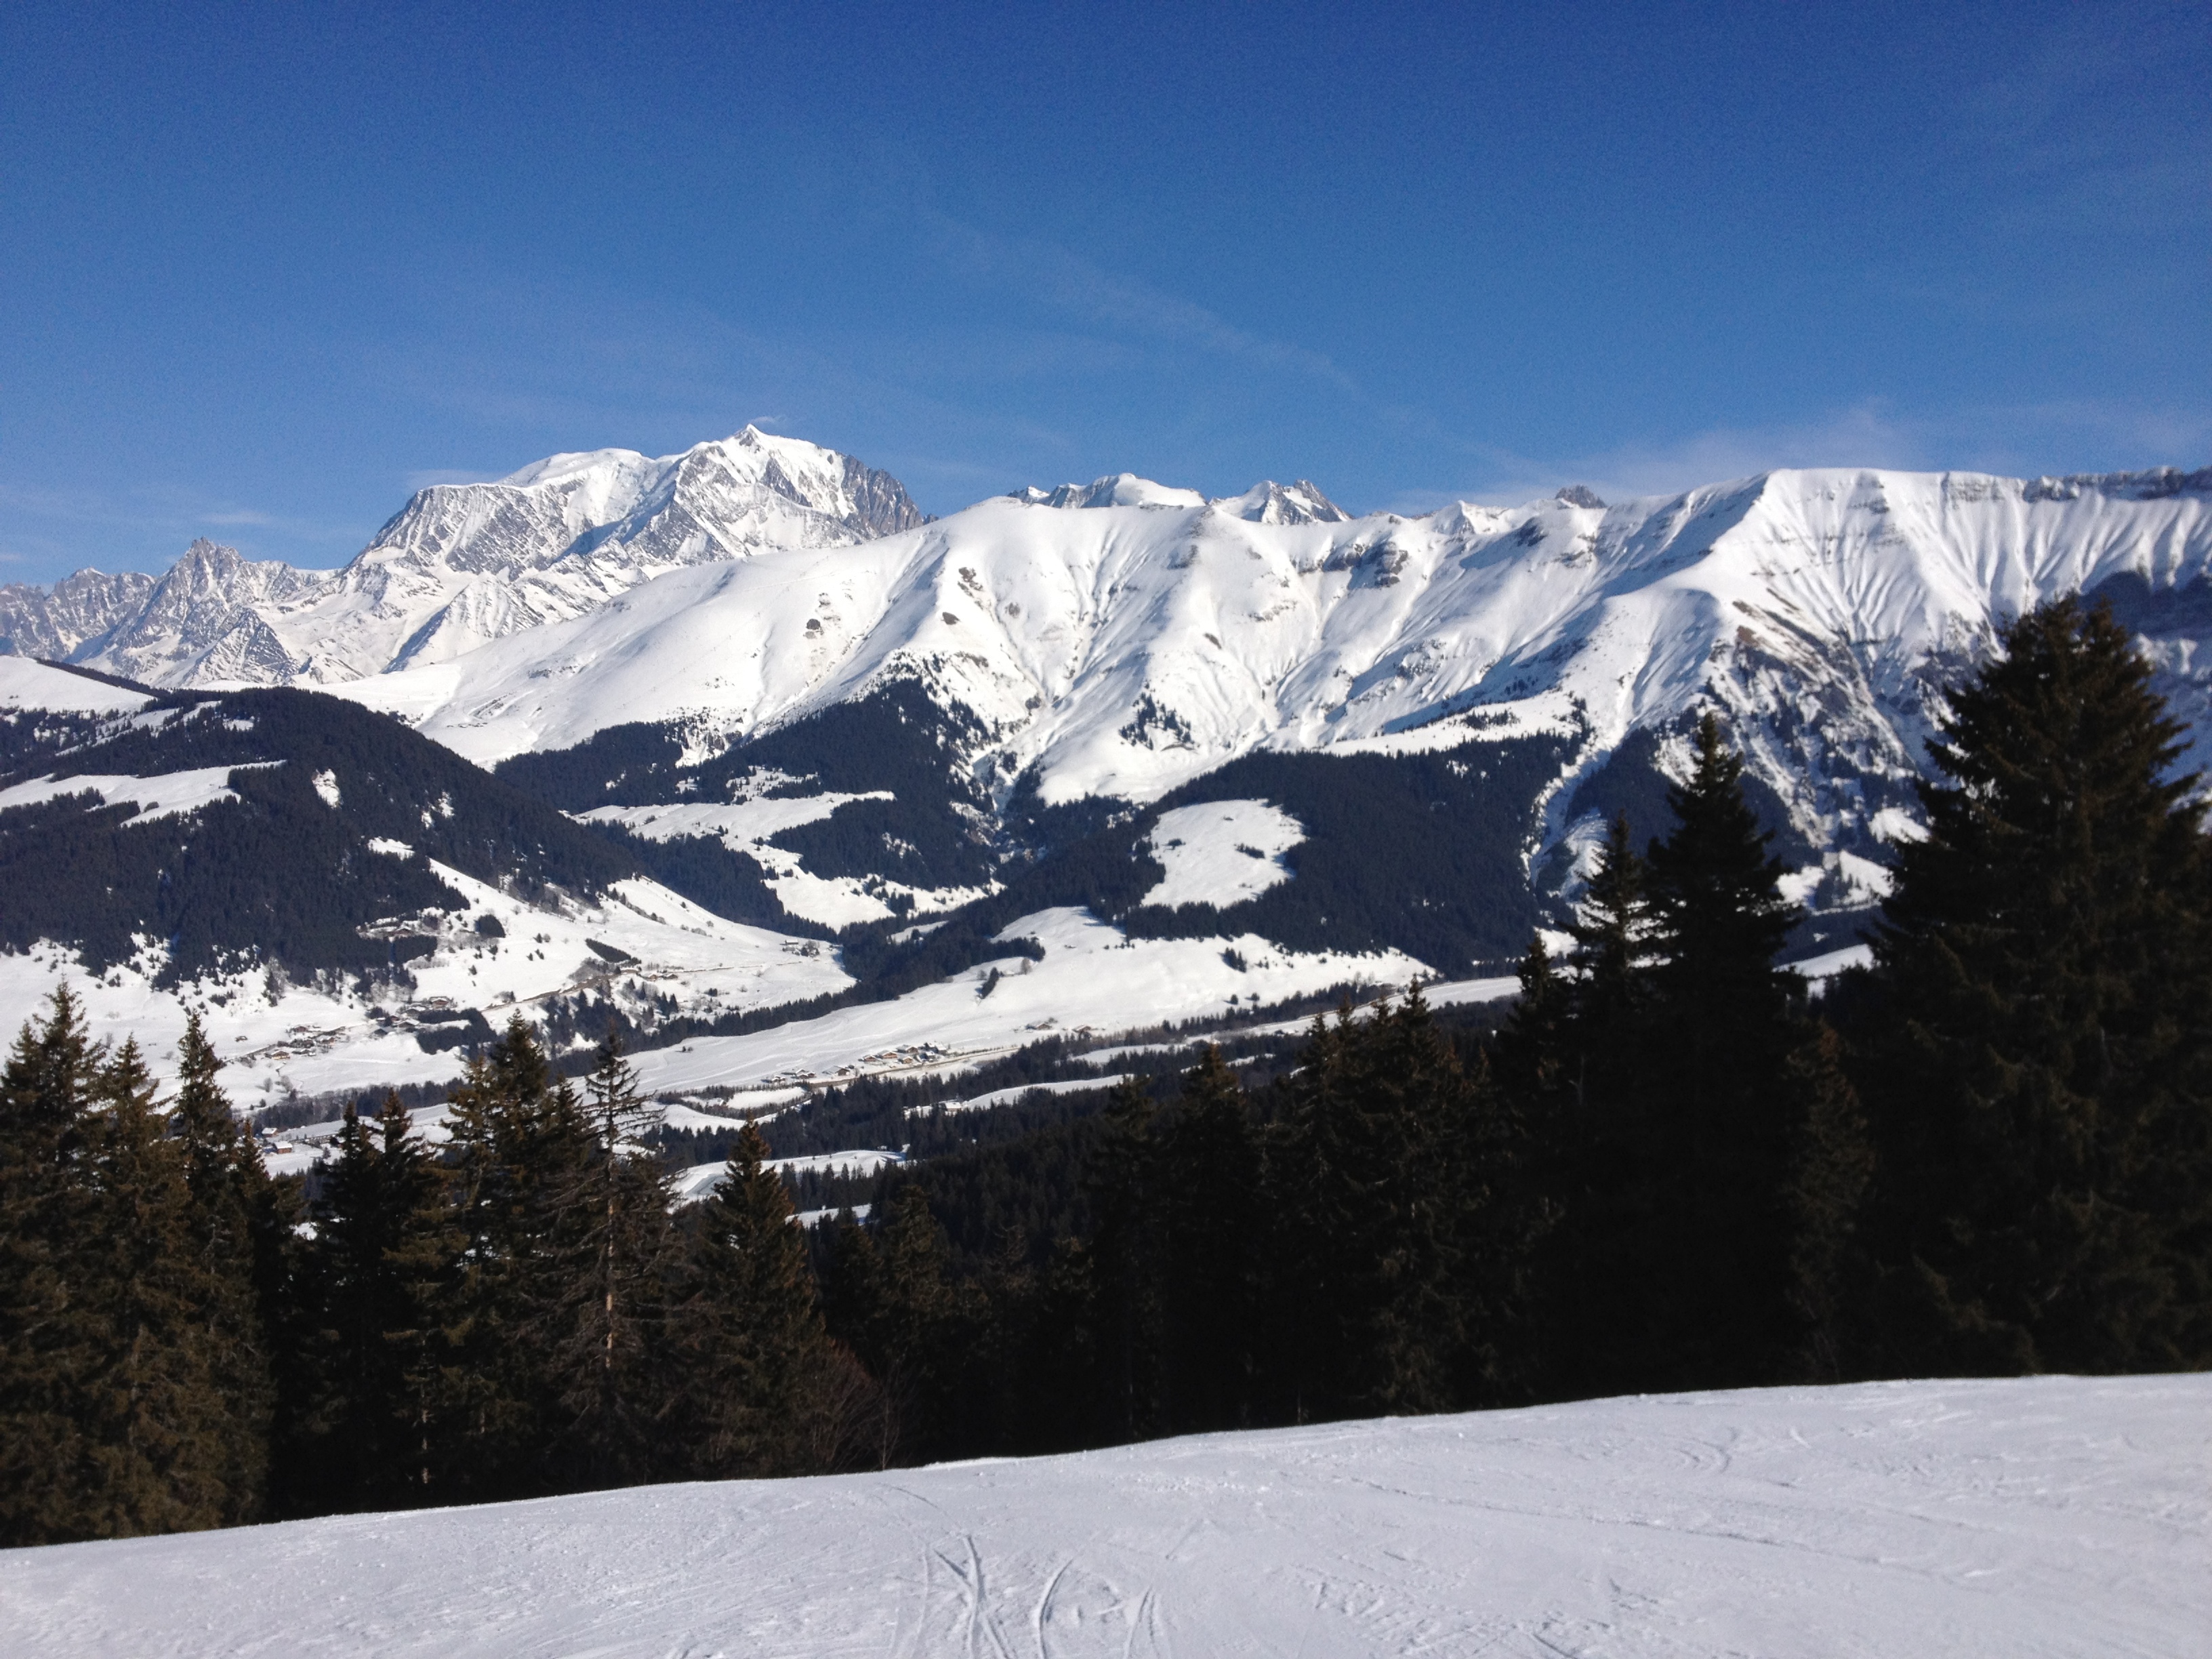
point(1092, 978)
point(2023, 1519)
point(1222, 853)
point(1125, 650)
point(24, 683)
point(167, 795)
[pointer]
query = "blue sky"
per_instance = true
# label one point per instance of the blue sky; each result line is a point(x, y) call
point(263, 270)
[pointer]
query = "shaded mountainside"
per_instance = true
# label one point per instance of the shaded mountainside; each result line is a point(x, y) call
point(300, 821)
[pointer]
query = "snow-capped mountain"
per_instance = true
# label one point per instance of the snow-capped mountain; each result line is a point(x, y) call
point(1086, 739)
point(1133, 639)
point(1266, 502)
point(459, 565)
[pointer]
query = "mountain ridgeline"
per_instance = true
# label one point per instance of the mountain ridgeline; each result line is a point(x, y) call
point(764, 681)
point(458, 565)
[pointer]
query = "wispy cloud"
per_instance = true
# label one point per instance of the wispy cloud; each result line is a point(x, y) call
point(1054, 276)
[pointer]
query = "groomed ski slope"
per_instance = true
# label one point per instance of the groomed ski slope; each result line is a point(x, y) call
point(2033, 1517)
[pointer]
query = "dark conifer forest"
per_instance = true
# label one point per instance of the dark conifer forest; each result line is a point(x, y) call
point(1670, 1166)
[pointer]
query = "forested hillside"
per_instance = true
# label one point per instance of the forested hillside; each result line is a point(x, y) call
point(312, 819)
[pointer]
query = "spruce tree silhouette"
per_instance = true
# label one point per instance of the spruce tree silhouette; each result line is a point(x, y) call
point(2044, 1095)
point(754, 1344)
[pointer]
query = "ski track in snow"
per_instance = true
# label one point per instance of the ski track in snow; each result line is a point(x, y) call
point(2022, 1519)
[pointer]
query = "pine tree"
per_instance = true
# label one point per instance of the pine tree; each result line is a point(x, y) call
point(158, 1439)
point(1124, 1266)
point(1707, 1167)
point(892, 1299)
point(2042, 1101)
point(385, 1260)
point(420, 1266)
point(520, 1148)
point(852, 1298)
point(1832, 1164)
point(1612, 929)
point(608, 1321)
point(1723, 1132)
point(46, 1218)
point(1210, 1243)
point(754, 1342)
point(226, 1179)
point(1528, 1055)
point(1368, 1172)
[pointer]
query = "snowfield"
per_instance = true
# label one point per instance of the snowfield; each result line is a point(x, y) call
point(744, 826)
point(1092, 980)
point(2042, 1516)
point(24, 683)
point(276, 1037)
point(1223, 852)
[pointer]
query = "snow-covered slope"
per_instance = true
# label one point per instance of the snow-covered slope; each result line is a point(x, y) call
point(2025, 1519)
point(25, 685)
point(1125, 649)
point(1091, 980)
point(460, 564)
point(638, 947)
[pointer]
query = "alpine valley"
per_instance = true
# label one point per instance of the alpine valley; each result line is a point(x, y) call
point(741, 746)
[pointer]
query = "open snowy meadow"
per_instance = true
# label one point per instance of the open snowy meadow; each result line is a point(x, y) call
point(2040, 1516)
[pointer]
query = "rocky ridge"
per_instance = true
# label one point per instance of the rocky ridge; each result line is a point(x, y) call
point(459, 565)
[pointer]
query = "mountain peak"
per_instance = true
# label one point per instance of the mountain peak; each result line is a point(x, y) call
point(1115, 489)
point(1269, 502)
point(464, 563)
point(1576, 495)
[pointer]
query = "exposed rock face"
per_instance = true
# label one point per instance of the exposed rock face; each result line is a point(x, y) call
point(79, 610)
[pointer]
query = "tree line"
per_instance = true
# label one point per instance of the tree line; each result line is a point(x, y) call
point(518, 1310)
point(1670, 1166)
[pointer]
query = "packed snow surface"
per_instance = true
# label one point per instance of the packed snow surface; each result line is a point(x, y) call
point(2021, 1519)
point(1222, 853)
